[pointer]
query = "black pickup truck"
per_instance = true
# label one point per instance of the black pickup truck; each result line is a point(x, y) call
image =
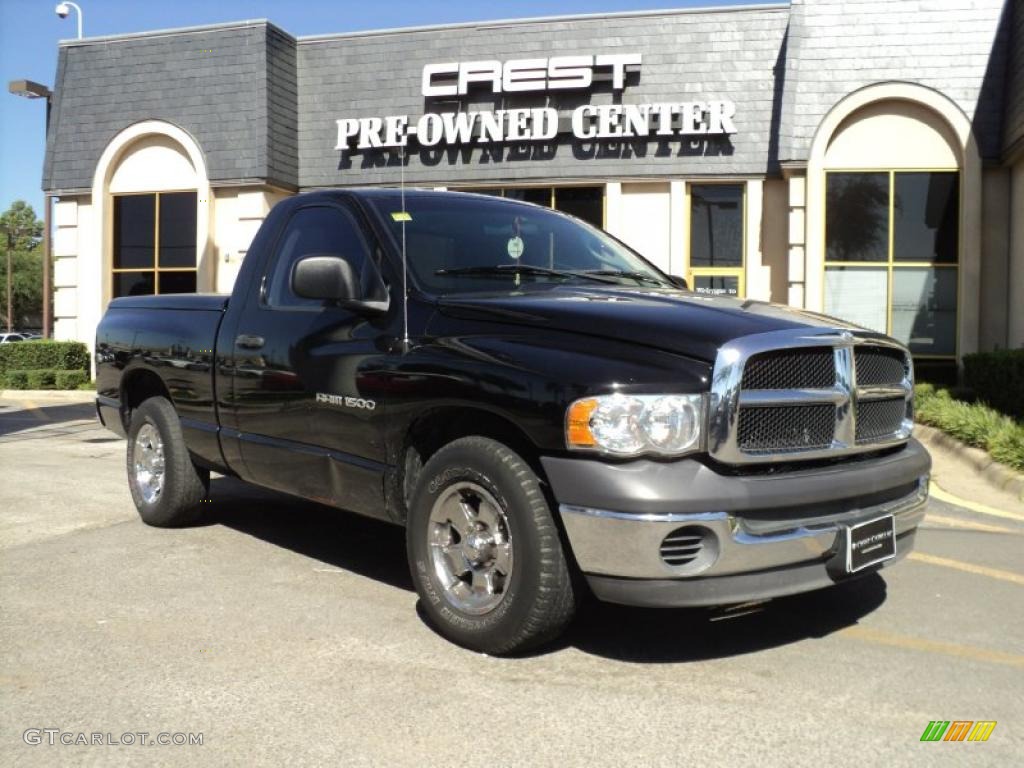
point(542, 409)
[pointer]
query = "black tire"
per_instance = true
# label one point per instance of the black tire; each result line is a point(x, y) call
point(184, 486)
point(538, 600)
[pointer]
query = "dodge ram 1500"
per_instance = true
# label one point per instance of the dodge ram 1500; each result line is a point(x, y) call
point(542, 409)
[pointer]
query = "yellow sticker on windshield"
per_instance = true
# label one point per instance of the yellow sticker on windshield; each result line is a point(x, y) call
point(401, 216)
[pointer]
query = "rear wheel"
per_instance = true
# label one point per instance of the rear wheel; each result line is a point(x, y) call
point(485, 552)
point(167, 488)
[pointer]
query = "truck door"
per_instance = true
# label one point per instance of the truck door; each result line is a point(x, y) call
point(307, 411)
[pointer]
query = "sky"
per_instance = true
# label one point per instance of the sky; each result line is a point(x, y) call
point(30, 30)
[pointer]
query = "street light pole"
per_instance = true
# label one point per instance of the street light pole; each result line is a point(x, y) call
point(32, 90)
point(10, 248)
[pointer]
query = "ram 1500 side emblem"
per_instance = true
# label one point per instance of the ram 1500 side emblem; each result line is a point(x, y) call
point(345, 401)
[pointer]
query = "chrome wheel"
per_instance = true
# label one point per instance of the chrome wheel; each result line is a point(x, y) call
point(470, 547)
point(148, 459)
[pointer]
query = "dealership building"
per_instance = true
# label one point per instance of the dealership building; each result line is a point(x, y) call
point(862, 158)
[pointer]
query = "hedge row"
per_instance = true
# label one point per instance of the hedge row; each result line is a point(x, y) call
point(44, 355)
point(43, 378)
point(973, 423)
point(997, 378)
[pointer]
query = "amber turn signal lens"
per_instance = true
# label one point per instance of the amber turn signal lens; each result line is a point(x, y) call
point(578, 423)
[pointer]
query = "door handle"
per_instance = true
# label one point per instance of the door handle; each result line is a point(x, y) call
point(247, 341)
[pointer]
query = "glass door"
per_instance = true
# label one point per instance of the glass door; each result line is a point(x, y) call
point(717, 239)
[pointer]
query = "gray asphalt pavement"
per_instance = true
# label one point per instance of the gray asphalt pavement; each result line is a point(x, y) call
point(288, 634)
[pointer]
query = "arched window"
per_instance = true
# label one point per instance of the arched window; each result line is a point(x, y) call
point(892, 226)
point(153, 192)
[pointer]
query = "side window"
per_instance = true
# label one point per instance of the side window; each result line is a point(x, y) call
point(316, 230)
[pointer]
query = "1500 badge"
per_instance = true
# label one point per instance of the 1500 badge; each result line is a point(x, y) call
point(345, 401)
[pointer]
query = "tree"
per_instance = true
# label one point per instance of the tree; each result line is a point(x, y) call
point(22, 232)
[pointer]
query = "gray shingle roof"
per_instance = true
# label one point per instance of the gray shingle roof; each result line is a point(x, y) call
point(262, 105)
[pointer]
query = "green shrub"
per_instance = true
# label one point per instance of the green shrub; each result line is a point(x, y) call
point(36, 355)
point(973, 423)
point(71, 379)
point(15, 379)
point(997, 379)
point(42, 378)
point(1007, 446)
point(45, 378)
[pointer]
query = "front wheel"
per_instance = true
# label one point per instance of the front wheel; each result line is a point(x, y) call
point(485, 552)
point(167, 488)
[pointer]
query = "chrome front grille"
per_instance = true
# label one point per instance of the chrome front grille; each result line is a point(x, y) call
point(785, 428)
point(878, 365)
point(878, 419)
point(790, 369)
point(791, 395)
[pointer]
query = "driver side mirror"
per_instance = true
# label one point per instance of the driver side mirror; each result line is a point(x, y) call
point(679, 282)
point(332, 277)
point(325, 276)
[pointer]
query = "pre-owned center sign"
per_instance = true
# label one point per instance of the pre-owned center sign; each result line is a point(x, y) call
point(588, 122)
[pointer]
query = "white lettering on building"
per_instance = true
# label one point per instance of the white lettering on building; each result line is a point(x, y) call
point(520, 75)
point(589, 121)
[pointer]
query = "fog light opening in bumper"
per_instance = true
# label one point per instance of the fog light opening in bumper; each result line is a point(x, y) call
point(689, 549)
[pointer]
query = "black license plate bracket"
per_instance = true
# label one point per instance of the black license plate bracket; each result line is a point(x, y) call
point(870, 543)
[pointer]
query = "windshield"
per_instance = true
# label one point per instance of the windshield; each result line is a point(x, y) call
point(465, 243)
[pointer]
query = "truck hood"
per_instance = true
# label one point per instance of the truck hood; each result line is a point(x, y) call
point(677, 321)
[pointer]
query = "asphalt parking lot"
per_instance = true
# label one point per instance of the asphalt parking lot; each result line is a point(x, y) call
point(287, 633)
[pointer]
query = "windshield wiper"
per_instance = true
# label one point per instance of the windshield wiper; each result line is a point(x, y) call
point(520, 269)
point(638, 276)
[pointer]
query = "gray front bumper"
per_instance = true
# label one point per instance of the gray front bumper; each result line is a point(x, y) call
point(767, 535)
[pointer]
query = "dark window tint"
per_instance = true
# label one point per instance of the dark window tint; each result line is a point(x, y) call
point(134, 231)
point(178, 282)
point(925, 217)
point(585, 203)
point(716, 225)
point(857, 217)
point(134, 284)
point(453, 234)
point(924, 309)
point(177, 230)
point(319, 230)
point(537, 195)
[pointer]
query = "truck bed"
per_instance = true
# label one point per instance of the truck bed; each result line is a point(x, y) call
point(215, 302)
point(172, 338)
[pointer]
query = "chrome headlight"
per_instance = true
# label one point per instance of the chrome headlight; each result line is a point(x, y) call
point(631, 425)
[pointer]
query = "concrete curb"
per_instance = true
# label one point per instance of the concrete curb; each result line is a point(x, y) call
point(995, 474)
point(50, 395)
